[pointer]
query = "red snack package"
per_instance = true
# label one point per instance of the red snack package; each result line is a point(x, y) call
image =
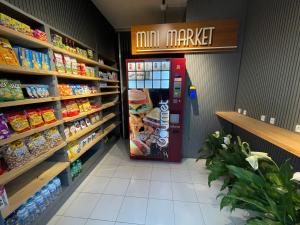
point(18, 121)
point(48, 115)
point(72, 108)
point(34, 117)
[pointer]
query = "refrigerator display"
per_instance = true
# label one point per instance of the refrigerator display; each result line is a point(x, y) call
point(152, 87)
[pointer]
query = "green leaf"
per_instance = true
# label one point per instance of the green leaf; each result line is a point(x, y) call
point(262, 221)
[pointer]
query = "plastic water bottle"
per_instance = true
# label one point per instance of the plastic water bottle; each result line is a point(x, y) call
point(40, 202)
point(46, 195)
point(12, 220)
point(57, 183)
point(52, 189)
point(32, 209)
point(23, 216)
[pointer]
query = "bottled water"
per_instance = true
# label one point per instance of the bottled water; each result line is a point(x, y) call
point(52, 189)
point(23, 216)
point(40, 202)
point(57, 183)
point(32, 209)
point(46, 195)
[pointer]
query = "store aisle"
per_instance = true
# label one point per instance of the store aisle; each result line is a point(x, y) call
point(121, 191)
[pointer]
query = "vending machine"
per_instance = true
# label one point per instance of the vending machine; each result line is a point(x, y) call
point(156, 103)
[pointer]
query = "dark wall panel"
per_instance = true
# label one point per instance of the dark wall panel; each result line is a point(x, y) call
point(77, 18)
point(215, 75)
point(269, 82)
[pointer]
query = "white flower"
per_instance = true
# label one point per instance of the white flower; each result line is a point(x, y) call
point(296, 177)
point(224, 146)
point(229, 136)
point(216, 134)
point(255, 156)
point(227, 140)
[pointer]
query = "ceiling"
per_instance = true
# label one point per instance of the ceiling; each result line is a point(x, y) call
point(124, 13)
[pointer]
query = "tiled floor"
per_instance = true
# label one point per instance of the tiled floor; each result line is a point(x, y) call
point(121, 191)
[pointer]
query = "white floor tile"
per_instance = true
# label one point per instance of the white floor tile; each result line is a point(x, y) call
point(212, 215)
point(133, 210)
point(66, 205)
point(124, 172)
point(160, 190)
point(116, 186)
point(181, 175)
point(199, 178)
point(71, 221)
point(104, 171)
point(99, 222)
point(161, 174)
point(107, 208)
point(160, 212)
point(143, 163)
point(138, 188)
point(184, 192)
point(161, 165)
point(96, 185)
point(54, 220)
point(83, 205)
point(188, 213)
point(142, 173)
point(206, 194)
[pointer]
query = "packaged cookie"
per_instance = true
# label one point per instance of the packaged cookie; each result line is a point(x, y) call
point(77, 126)
point(48, 115)
point(4, 130)
point(59, 64)
point(34, 117)
point(37, 144)
point(5, 93)
point(82, 124)
point(87, 121)
point(67, 132)
point(53, 137)
point(18, 121)
point(16, 154)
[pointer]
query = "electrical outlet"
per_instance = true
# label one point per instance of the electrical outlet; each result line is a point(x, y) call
point(263, 118)
point(240, 110)
point(245, 112)
point(272, 120)
point(297, 129)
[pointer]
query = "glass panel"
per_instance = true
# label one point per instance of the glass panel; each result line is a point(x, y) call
point(132, 84)
point(156, 75)
point(148, 75)
point(140, 66)
point(131, 76)
point(148, 66)
point(140, 84)
point(156, 83)
point(165, 75)
point(140, 75)
point(165, 84)
point(131, 66)
point(148, 84)
point(156, 65)
point(165, 65)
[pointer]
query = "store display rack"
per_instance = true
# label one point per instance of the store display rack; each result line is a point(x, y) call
point(282, 138)
point(22, 182)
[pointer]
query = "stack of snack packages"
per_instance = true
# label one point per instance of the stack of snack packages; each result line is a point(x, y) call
point(10, 90)
point(76, 89)
point(78, 126)
point(74, 107)
point(32, 59)
point(17, 153)
point(16, 25)
point(66, 64)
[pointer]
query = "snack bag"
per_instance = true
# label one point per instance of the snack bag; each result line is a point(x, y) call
point(37, 144)
point(53, 137)
point(45, 62)
point(15, 89)
point(18, 121)
point(4, 20)
point(4, 130)
point(5, 93)
point(35, 60)
point(7, 55)
point(39, 60)
point(73, 149)
point(16, 154)
point(48, 115)
point(74, 66)
point(59, 64)
point(72, 107)
point(67, 63)
point(24, 56)
point(34, 117)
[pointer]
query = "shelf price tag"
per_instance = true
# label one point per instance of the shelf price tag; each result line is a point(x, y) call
point(3, 198)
